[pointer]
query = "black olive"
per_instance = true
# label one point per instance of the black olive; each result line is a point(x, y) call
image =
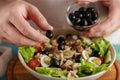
point(90, 22)
point(77, 21)
point(83, 22)
point(94, 15)
point(61, 47)
point(81, 15)
point(95, 53)
point(49, 33)
point(76, 13)
point(45, 52)
point(54, 62)
point(78, 58)
point(71, 17)
point(88, 15)
point(87, 71)
point(90, 9)
point(82, 9)
point(61, 40)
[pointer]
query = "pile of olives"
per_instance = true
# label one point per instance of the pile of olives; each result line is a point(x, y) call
point(84, 16)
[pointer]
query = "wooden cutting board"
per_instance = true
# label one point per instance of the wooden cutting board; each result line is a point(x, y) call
point(16, 71)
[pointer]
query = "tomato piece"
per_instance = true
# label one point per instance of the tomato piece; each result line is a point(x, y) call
point(39, 47)
point(102, 59)
point(34, 63)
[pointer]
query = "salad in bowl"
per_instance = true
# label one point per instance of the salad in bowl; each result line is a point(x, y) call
point(68, 57)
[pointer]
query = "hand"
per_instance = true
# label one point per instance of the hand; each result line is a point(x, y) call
point(110, 24)
point(14, 27)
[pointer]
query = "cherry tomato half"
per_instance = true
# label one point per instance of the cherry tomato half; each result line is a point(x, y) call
point(34, 63)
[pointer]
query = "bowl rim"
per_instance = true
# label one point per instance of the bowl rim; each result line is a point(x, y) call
point(86, 77)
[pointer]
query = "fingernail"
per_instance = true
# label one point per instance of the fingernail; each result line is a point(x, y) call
point(51, 28)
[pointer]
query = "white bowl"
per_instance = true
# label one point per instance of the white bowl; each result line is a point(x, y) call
point(44, 77)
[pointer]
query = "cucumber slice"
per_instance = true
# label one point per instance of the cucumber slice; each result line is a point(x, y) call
point(108, 57)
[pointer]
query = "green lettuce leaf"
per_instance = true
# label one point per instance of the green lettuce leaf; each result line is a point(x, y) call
point(101, 45)
point(101, 68)
point(85, 69)
point(88, 68)
point(27, 52)
point(52, 72)
point(86, 42)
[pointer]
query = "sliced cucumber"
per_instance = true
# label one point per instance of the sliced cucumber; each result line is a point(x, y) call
point(108, 57)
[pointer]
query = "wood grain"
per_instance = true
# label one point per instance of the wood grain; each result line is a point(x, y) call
point(16, 71)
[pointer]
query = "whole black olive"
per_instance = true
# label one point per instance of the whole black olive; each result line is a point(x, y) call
point(45, 52)
point(81, 15)
point(61, 47)
point(82, 9)
point(83, 22)
point(76, 21)
point(95, 53)
point(90, 22)
point(78, 58)
point(54, 63)
point(49, 33)
point(76, 13)
point(94, 15)
point(90, 9)
point(71, 17)
point(88, 15)
point(61, 40)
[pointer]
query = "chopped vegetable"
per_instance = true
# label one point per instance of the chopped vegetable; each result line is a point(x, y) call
point(27, 52)
point(85, 69)
point(101, 45)
point(88, 68)
point(33, 63)
point(52, 72)
point(108, 57)
point(102, 67)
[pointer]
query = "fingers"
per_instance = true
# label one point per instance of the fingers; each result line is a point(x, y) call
point(38, 18)
point(87, 0)
point(11, 35)
point(24, 27)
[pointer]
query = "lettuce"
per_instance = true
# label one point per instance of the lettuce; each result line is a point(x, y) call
point(86, 42)
point(88, 68)
point(27, 52)
point(101, 45)
point(85, 69)
point(101, 68)
point(52, 72)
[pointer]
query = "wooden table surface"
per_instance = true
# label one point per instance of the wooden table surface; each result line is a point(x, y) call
point(16, 71)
